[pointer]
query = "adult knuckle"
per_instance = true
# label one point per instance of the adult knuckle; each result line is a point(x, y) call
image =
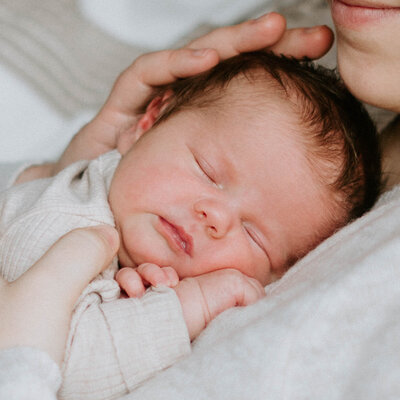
point(135, 69)
point(173, 56)
point(139, 60)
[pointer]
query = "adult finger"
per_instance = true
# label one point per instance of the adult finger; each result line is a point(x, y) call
point(305, 42)
point(248, 36)
point(135, 84)
point(70, 264)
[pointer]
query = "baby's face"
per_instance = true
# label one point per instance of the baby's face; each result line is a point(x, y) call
point(206, 191)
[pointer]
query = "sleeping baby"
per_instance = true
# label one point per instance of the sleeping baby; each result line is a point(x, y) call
point(234, 175)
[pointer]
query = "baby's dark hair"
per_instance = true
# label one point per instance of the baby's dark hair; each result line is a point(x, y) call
point(341, 139)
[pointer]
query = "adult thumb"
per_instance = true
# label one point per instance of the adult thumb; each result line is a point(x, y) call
point(71, 263)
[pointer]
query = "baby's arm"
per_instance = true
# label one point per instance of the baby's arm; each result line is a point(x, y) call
point(119, 344)
point(205, 296)
point(202, 297)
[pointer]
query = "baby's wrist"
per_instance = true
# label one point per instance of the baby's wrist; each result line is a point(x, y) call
point(188, 292)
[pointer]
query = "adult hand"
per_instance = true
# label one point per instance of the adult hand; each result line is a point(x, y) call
point(134, 86)
point(35, 310)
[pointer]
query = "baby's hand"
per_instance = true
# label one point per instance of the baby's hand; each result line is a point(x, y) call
point(134, 281)
point(205, 296)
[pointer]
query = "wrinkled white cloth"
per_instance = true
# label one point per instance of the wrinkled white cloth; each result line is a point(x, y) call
point(28, 374)
point(114, 344)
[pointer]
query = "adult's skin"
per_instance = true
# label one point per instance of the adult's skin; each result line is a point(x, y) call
point(44, 297)
point(368, 42)
point(368, 45)
point(135, 84)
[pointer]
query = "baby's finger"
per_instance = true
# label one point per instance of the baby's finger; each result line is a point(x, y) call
point(135, 84)
point(171, 275)
point(131, 282)
point(153, 274)
point(305, 42)
point(251, 35)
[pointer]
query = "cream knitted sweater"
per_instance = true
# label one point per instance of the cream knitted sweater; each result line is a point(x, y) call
point(114, 344)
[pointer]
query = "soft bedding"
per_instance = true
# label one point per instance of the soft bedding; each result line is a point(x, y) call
point(329, 329)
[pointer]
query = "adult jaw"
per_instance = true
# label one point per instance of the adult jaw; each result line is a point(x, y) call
point(368, 49)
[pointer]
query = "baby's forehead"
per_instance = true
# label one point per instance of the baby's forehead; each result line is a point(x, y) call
point(252, 103)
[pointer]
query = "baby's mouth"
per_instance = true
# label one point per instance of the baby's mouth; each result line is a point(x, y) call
point(176, 237)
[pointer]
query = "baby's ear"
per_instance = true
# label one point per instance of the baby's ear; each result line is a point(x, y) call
point(147, 120)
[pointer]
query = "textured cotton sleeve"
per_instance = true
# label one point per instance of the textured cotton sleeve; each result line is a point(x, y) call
point(28, 374)
point(118, 345)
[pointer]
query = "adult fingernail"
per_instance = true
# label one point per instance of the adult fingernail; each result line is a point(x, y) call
point(312, 30)
point(265, 17)
point(199, 52)
point(109, 234)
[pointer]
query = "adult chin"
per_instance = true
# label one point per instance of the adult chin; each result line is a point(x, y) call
point(371, 79)
point(368, 43)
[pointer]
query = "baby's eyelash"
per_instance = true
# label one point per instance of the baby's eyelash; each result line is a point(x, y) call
point(249, 232)
point(254, 238)
point(205, 168)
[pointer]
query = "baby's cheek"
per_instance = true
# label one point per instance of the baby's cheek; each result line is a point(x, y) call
point(253, 262)
point(142, 242)
point(222, 254)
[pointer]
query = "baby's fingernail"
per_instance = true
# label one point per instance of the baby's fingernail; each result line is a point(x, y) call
point(173, 283)
point(312, 30)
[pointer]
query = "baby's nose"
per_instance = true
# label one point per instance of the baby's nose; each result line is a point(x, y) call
point(215, 216)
